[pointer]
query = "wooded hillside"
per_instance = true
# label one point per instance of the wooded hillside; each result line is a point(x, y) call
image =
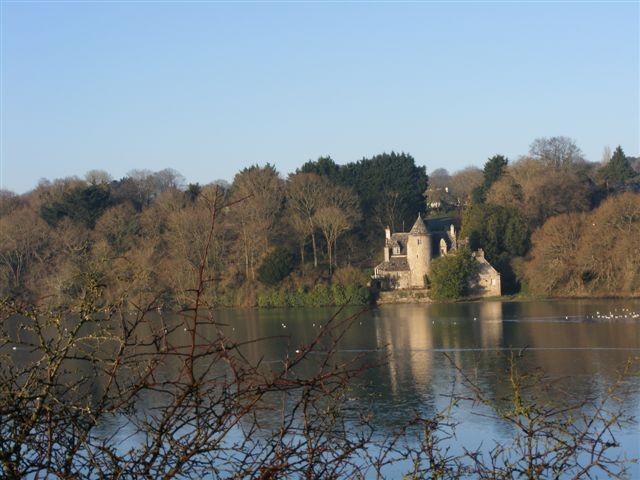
point(550, 222)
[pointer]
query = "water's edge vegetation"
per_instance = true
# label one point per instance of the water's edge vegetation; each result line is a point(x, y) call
point(551, 223)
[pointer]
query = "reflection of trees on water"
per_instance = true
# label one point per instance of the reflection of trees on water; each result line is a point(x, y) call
point(490, 324)
point(407, 335)
point(476, 336)
point(559, 337)
point(417, 338)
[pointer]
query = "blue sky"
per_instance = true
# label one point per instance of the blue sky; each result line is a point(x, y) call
point(209, 88)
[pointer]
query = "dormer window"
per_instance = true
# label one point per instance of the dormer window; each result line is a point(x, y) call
point(396, 250)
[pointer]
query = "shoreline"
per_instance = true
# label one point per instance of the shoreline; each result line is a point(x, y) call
point(419, 297)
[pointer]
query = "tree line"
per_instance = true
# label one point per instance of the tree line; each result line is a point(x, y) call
point(279, 238)
point(145, 232)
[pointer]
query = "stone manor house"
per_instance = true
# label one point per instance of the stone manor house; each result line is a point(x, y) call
point(408, 255)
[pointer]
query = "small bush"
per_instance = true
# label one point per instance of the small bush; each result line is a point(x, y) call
point(320, 295)
point(350, 275)
point(276, 266)
point(339, 294)
point(450, 275)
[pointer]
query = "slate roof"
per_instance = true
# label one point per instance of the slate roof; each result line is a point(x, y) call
point(400, 240)
point(485, 267)
point(395, 264)
point(419, 228)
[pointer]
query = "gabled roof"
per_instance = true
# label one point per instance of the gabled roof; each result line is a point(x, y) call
point(391, 243)
point(398, 240)
point(485, 267)
point(395, 264)
point(419, 228)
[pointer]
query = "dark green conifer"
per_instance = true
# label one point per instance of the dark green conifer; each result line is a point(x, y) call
point(618, 170)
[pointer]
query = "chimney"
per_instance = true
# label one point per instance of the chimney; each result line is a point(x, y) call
point(387, 233)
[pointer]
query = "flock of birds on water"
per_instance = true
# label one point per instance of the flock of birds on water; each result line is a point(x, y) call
point(621, 314)
point(624, 313)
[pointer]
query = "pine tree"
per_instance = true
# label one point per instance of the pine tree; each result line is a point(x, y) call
point(618, 170)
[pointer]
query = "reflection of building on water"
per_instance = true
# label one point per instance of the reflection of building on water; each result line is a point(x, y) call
point(418, 336)
point(491, 324)
point(408, 335)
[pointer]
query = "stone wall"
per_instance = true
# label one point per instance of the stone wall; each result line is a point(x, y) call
point(404, 296)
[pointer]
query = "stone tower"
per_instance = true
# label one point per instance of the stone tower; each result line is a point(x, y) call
point(419, 253)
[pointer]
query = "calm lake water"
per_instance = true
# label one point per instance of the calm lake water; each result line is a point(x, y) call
point(579, 344)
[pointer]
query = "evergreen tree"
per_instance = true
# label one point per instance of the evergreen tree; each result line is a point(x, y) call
point(503, 234)
point(83, 205)
point(493, 170)
point(618, 170)
point(324, 166)
point(276, 266)
point(392, 177)
point(193, 190)
point(451, 275)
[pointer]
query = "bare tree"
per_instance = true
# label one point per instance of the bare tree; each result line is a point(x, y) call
point(388, 208)
point(9, 202)
point(98, 177)
point(606, 155)
point(208, 402)
point(186, 234)
point(463, 182)
point(148, 185)
point(332, 221)
point(553, 266)
point(300, 227)
point(506, 191)
point(440, 178)
point(540, 192)
point(595, 253)
point(608, 252)
point(168, 178)
point(338, 214)
point(142, 181)
point(24, 237)
point(262, 194)
point(305, 194)
point(556, 152)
